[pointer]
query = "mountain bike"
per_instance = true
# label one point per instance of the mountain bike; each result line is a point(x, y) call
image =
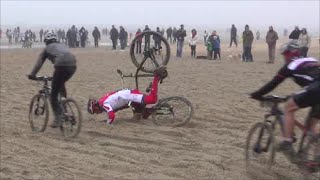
point(39, 111)
point(172, 111)
point(261, 140)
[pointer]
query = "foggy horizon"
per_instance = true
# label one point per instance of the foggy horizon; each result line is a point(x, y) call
point(221, 14)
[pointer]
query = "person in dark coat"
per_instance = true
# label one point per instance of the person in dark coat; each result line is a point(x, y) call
point(295, 33)
point(83, 37)
point(96, 36)
point(181, 34)
point(233, 36)
point(114, 35)
point(146, 38)
point(122, 38)
point(169, 34)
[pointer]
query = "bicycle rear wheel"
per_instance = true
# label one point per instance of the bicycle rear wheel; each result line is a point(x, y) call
point(172, 111)
point(156, 54)
point(38, 113)
point(260, 147)
point(311, 158)
point(71, 124)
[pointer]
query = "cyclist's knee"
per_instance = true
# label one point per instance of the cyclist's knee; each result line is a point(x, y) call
point(291, 106)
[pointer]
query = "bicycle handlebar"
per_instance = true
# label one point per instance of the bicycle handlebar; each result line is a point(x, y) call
point(272, 100)
point(43, 78)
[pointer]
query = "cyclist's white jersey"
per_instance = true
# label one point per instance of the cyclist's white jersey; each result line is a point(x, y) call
point(115, 100)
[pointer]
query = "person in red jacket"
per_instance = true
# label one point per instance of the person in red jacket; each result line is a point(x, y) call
point(139, 42)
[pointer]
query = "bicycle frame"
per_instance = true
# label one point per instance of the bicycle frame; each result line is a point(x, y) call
point(276, 112)
point(147, 54)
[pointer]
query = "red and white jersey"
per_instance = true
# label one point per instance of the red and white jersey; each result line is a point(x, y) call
point(115, 100)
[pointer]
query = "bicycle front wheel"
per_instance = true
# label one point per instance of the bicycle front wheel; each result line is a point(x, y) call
point(39, 113)
point(71, 125)
point(260, 147)
point(153, 47)
point(172, 111)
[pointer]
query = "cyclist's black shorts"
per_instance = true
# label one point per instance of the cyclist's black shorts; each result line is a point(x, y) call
point(309, 97)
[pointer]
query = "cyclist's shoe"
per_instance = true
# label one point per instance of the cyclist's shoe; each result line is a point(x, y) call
point(161, 72)
point(55, 124)
point(288, 151)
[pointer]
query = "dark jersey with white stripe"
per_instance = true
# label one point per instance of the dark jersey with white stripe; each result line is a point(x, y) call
point(304, 71)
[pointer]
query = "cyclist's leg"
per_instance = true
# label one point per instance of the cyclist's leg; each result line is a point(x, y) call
point(290, 108)
point(60, 76)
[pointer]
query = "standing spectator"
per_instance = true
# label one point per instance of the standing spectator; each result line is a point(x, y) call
point(169, 34)
point(209, 50)
point(205, 36)
point(96, 36)
point(146, 38)
point(83, 37)
point(139, 42)
point(16, 36)
point(174, 34)
point(130, 35)
point(247, 36)
point(9, 35)
point(114, 35)
point(214, 40)
point(181, 33)
point(157, 40)
point(271, 39)
point(233, 35)
point(258, 35)
point(193, 42)
point(295, 33)
point(122, 38)
point(63, 34)
point(77, 38)
point(69, 38)
point(304, 41)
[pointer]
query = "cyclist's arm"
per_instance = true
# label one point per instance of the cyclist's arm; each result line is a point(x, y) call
point(40, 61)
point(279, 78)
point(111, 114)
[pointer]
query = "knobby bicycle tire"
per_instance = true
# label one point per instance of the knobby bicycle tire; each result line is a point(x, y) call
point(164, 102)
point(32, 111)
point(66, 103)
point(270, 141)
point(132, 50)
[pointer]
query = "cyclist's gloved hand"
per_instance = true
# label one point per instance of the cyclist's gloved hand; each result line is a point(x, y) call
point(256, 96)
point(32, 77)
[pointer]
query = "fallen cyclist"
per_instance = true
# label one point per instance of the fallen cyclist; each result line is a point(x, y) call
point(115, 101)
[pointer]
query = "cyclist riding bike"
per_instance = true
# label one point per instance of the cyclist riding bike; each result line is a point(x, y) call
point(114, 101)
point(64, 65)
point(306, 73)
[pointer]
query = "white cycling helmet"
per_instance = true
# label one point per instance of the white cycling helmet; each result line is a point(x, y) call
point(50, 37)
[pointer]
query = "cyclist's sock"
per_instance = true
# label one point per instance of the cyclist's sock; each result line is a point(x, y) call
point(153, 96)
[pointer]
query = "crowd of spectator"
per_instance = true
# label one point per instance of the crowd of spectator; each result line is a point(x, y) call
point(80, 38)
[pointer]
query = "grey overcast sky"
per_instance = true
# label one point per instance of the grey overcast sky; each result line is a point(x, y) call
point(220, 13)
